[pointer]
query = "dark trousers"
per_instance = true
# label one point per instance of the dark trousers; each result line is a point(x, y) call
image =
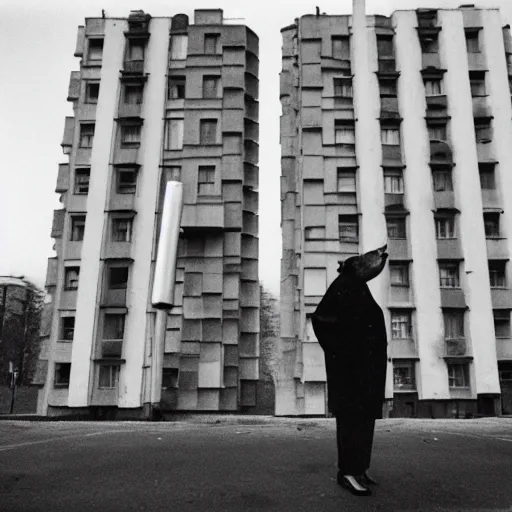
point(355, 440)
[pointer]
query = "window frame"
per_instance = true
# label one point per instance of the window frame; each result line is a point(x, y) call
point(402, 318)
point(447, 180)
point(404, 267)
point(58, 367)
point(409, 364)
point(390, 177)
point(77, 224)
point(124, 128)
point(350, 222)
point(443, 127)
point(87, 97)
point(466, 379)
point(446, 267)
point(401, 222)
point(178, 84)
point(502, 320)
point(114, 327)
point(208, 171)
point(90, 136)
point(498, 274)
point(81, 172)
point(450, 229)
point(386, 129)
point(65, 330)
point(342, 84)
point(341, 126)
point(215, 92)
point(68, 280)
point(203, 134)
point(473, 33)
point(496, 231)
point(95, 40)
point(457, 317)
point(437, 81)
point(216, 48)
point(139, 98)
point(113, 378)
point(129, 230)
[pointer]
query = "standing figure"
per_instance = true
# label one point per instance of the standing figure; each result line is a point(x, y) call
point(350, 328)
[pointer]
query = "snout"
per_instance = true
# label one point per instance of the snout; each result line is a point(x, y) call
point(382, 251)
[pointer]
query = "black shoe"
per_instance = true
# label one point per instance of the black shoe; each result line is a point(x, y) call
point(345, 482)
point(367, 479)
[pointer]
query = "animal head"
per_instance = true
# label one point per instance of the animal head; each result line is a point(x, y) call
point(365, 266)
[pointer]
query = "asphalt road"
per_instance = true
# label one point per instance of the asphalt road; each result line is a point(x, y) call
point(281, 465)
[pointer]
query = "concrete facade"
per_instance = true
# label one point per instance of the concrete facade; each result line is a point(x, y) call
point(156, 99)
point(403, 126)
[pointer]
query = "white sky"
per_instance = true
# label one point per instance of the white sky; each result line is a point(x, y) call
point(37, 42)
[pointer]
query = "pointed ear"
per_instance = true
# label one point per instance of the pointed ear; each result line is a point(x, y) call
point(340, 268)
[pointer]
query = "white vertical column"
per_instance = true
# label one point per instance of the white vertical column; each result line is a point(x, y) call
point(468, 195)
point(88, 289)
point(432, 380)
point(368, 144)
point(137, 299)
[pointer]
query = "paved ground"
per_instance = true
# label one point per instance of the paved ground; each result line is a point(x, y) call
point(263, 465)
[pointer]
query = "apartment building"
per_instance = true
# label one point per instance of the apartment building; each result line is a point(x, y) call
point(156, 99)
point(400, 131)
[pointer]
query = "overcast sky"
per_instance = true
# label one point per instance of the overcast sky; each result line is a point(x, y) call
point(37, 42)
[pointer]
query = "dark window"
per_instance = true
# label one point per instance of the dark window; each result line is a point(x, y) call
point(95, 50)
point(113, 326)
point(429, 44)
point(86, 135)
point(126, 181)
point(348, 226)
point(388, 87)
point(477, 83)
point(130, 135)
point(82, 177)
point(449, 275)
point(453, 324)
point(342, 87)
point(92, 92)
point(483, 130)
point(206, 180)
point(458, 375)
point(385, 47)
point(62, 373)
point(133, 94)
point(437, 132)
point(176, 89)
point(122, 230)
point(501, 323)
point(404, 377)
point(396, 228)
point(492, 224)
point(71, 278)
point(67, 328)
point(118, 277)
point(472, 41)
point(77, 228)
point(497, 273)
point(108, 376)
point(487, 177)
point(208, 131)
point(169, 377)
point(212, 44)
point(135, 50)
point(442, 181)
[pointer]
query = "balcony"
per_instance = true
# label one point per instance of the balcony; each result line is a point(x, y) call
point(389, 108)
point(114, 297)
point(440, 153)
point(485, 152)
point(111, 348)
point(62, 179)
point(403, 349)
point(438, 102)
point(477, 61)
point(497, 248)
point(456, 347)
point(393, 200)
point(481, 107)
point(133, 67)
point(51, 272)
point(203, 216)
point(58, 223)
point(444, 200)
point(69, 133)
point(449, 248)
point(391, 155)
point(74, 86)
point(501, 298)
point(430, 60)
point(117, 250)
point(452, 298)
point(398, 249)
point(387, 66)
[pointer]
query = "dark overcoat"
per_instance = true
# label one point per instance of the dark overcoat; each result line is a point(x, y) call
point(350, 328)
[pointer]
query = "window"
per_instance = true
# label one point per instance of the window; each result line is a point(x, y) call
point(404, 378)
point(170, 378)
point(388, 87)
point(396, 228)
point(348, 226)
point(118, 278)
point(122, 230)
point(113, 326)
point(130, 135)
point(385, 47)
point(445, 227)
point(483, 130)
point(429, 44)
point(133, 94)
point(341, 48)
point(179, 46)
point(342, 87)
point(472, 41)
point(126, 182)
point(442, 181)
point(399, 274)
point(492, 224)
point(477, 83)
point(77, 228)
point(449, 275)
point(458, 375)
point(212, 44)
point(497, 273)
point(67, 328)
point(92, 91)
point(71, 278)
point(433, 87)
point(206, 180)
point(344, 133)
point(510, 84)
point(135, 50)
point(208, 131)
point(62, 373)
point(437, 131)
point(174, 134)
point(453, 324)
point(82, 177)
point(211, 87)
point(86, 135)
point(501, 323)
point(95, 50)
point(315, 233)
point(393, 182)
point(176, 88)
point(390, 136)
point(108, 376)
point(401, 325)
point(487, 177)
point(346, 180)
